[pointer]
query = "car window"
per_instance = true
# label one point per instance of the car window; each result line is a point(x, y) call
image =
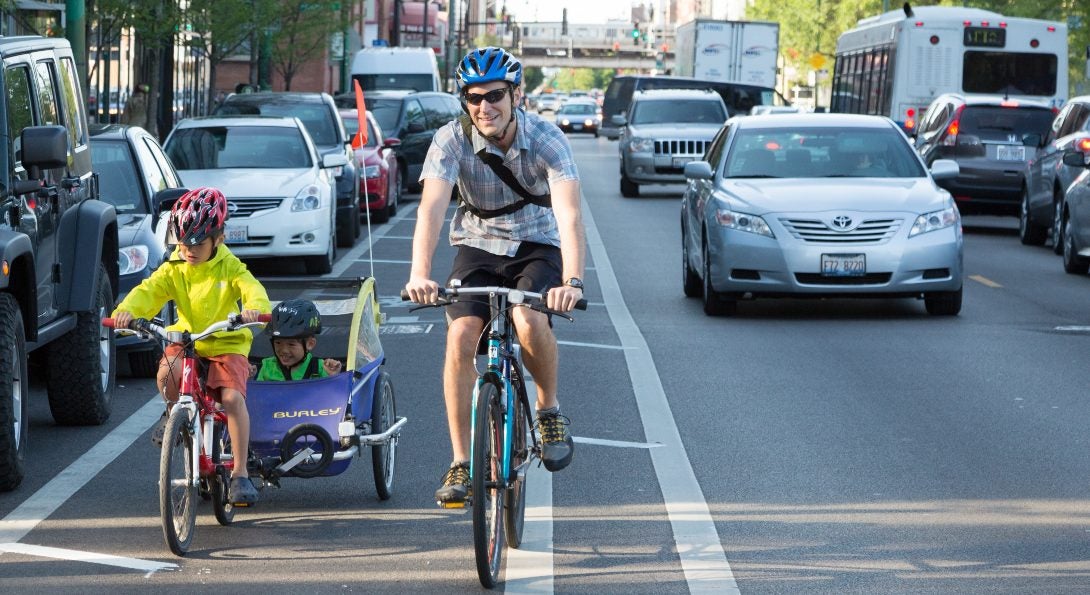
point(75, 118)
point(20, 113)
point(315, 116)
point(435, 111)
point(166, 168)
point(686, 111)
point(715, 150)
point(454, 107)
point(237, 147)
point(1081, 120)
point(118, 180)
point(387, 112)
point(1003, 124)
point(152, 171)
point(579, 108)
point(47, 94)
point(820, 152)
point(352, 126)
point(414, 114)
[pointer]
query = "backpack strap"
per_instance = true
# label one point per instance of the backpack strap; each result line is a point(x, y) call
point(495, 163)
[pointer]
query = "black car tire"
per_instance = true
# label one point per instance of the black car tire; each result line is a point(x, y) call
point(1073, 263)
point(943, 303)
point(395, 198)
point(81, 365)
point(690, 281)
point(14, 390)
point(629, 189)
point(1030, 232)
point(714, 302)
point(145, 364)
point(1057, 223)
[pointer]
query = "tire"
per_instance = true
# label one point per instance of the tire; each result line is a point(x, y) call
point(145, 364)
point(629, 189)
point(323, 264)
point(1030, 232)
point(943, 303)
point(348, 227)
point(487, 499)
point(14, 390)
point(714, 303)
point(395, 201)
point(384, 456)
point(381, 216)
point(177, 489)
point(1057, 223)
point(1073, 263)
point(221, 501)
point(690, 281)
point(81, 365)
point(515, 496)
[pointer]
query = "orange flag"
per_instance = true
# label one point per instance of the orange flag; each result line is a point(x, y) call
point(361, 113)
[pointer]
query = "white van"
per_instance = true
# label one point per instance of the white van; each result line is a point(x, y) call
point(385, 68)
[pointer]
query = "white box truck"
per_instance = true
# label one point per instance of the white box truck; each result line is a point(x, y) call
point(728, 51)
point(396, 69)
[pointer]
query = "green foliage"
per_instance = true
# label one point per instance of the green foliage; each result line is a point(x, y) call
point(581, 79)
point(531, 78)
point(303, 33)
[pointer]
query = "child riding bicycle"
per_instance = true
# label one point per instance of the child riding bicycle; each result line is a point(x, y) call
point(205, 281)
point(293, 332)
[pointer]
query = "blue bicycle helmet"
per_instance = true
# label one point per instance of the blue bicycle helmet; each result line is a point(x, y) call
point(486, 65)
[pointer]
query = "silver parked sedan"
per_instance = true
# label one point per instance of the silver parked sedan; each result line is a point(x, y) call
point(799, 205)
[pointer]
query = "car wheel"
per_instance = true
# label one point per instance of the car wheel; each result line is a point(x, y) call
point(1073, 263)
point(145, 364)
point(1031, 233)
point(14, 390)
point(321, 265)
point(629, 189)
point(81, 365)
point(714, 302)
point(395, 196)
point(690, 281)
point(1057, 223)
point(943, 303)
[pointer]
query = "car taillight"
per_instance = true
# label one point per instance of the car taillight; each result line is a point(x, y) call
point(951, 137)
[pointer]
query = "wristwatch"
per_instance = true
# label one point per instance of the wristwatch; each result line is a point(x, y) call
point(575, 282)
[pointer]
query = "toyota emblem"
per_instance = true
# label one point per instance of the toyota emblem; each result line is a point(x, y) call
point(842, 222)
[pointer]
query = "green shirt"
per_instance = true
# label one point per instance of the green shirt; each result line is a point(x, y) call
point(271, 370)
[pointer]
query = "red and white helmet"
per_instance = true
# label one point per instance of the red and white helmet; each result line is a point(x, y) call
point(197, 215)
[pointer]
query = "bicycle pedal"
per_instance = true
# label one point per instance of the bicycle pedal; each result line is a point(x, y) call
point(450, 505)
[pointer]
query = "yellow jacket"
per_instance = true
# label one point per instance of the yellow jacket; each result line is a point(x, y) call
point(203, 294)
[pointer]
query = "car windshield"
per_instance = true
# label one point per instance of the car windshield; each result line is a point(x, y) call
point(315, 116)
point(118, 181)
point(352, 126)
point(386, 111)
point(579, 108)
point(685, 111)
point(1006, 124)
point(821, 152)
point(233, 147)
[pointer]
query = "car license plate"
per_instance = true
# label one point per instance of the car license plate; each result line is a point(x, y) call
point(843, 265)
point(235, 234)
point(1010, 152)
point(681, 161)
point(577, 126)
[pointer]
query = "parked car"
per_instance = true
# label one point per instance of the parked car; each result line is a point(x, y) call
point(579, 115)
point(548, 102)
point(135, 176)
point(802, 205)
point(319, 114)
point(987, 136)
point(381, 182)
point(1075, 235)
point(279, 189)
point(1047, 177)
point(664, 130)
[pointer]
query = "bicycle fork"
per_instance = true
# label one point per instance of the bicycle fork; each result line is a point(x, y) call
point(201, 458)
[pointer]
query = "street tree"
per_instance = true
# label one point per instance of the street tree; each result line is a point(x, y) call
point(303, 34)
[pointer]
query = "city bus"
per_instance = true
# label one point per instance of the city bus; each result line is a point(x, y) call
point(895, 63)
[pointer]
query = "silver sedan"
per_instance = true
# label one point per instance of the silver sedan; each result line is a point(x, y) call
point(800, 205)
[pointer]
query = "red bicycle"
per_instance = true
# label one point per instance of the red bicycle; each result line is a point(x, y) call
point(193, 461)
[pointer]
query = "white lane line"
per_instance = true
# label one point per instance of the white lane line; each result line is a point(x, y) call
point(529, 568)
point(616, 443)
point(365, 245)
point(702, 557)
point(595, 345)
point(78, 556)
point(1073, 329)
point(35, 509)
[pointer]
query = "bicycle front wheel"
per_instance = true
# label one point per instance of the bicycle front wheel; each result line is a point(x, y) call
point(515, 495)
point(177, 486)
point(487, 485)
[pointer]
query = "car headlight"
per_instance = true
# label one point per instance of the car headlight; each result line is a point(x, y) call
point(308, 199)
point(641, 145)
point(132, 259)
point(934, 220)
point(372, 171)
point(565, 122)
point(588, 122)
point(742, 221)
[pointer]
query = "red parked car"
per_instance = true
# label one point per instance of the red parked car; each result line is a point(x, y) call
point(382, 178)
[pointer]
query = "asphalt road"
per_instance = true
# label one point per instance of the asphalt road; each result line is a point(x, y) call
point(835, 446)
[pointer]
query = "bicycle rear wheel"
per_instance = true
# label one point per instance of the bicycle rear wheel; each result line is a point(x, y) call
point(515, 495)
point(177, 486)
point(221, 501)
point(487, 485)
point(383, 456)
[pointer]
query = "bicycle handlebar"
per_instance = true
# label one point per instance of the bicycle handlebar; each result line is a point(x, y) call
point(520, 295)
point(233, 322)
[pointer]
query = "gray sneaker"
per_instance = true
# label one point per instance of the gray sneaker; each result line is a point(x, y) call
point(557, 447)
point(455, 488)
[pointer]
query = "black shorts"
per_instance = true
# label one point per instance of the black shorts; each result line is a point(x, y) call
point(534, 267)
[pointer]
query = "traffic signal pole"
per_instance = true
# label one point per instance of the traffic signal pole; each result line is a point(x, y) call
point(75, 31)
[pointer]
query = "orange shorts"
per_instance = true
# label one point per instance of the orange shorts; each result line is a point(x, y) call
point(229, 370)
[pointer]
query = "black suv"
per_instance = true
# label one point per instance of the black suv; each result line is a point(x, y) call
point(319, 114)
point(412, 118)
point(991, 138)
point(1047, 177)
point(59, 245)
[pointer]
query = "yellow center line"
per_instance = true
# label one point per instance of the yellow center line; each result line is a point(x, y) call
point(985, 281)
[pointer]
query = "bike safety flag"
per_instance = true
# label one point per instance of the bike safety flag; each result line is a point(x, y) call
point(361, 113)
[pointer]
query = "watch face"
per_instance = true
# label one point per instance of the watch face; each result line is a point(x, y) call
point(575, 282)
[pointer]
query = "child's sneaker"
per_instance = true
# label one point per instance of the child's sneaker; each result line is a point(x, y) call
point(160, 430)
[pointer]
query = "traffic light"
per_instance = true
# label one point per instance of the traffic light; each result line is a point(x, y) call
point(636, 34)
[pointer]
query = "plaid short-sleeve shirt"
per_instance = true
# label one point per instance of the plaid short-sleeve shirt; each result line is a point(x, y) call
point(540, 156)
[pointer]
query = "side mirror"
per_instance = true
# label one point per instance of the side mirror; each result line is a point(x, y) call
point(163, 202)
point(618, 120)
point(699, 170)
point(334, 160)
point(1076, 159)
point(391, 143)
point(43, 147)
point(945, 169)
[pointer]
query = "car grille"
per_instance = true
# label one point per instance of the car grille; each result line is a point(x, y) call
point(870, 231)
point(868, 279)
point(244, 207)
point(693, 148)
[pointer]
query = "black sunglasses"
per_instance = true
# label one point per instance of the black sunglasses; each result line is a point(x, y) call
point(492, 97)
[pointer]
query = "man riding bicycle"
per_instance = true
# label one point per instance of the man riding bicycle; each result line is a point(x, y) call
point(518, 224)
